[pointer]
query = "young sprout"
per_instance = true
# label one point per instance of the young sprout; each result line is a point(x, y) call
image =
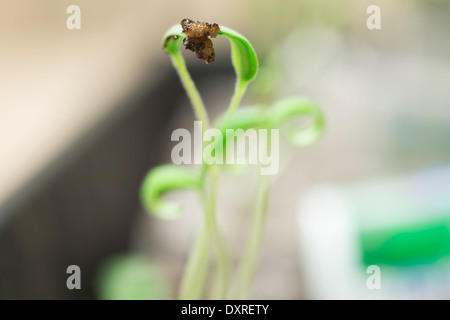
point(196, 37)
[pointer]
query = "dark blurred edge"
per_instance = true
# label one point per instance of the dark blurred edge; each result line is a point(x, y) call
point(80, 209)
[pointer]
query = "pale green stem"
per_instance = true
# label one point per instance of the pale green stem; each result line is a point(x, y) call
point(194, 275)
point(222, 254)
point(239, 91)
point(253, 245)
point(221, 251)
point(191, 90)
point(192, 284)
point(196, 268)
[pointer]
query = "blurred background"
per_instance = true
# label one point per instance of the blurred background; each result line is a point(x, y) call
point(84, 114)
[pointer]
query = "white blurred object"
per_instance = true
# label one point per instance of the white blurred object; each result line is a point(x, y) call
point(401, 225)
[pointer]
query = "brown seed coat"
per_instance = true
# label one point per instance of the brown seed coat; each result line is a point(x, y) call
point(197, 38)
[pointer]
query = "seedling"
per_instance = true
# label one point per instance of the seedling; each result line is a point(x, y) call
point(196, 36)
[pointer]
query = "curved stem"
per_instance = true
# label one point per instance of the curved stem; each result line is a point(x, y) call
point(192, 284)
point(239, 91)
point(253, 245)
point(222, 255)
point(191, 90)
point(195, 272)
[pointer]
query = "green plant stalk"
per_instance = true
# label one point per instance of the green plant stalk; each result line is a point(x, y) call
point(221, 251)
point(253, 245)
point(199, 254)
point(192, 283)
point(191, 90)
point(194, 276)
point(239, 91)
point(222, 255)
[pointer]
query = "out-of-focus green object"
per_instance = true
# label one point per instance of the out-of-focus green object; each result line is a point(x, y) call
point(131, 277)
point(404, 222)
point(387, 238)
point(287, 109)
point(409, 245)
point(163, 179)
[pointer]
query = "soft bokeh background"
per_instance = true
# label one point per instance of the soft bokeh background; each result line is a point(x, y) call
point(84, 114)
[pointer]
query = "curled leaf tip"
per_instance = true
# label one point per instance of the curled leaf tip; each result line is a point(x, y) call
point(172, 39)
point(169, 38)
point(164, 179)
point(282, 113)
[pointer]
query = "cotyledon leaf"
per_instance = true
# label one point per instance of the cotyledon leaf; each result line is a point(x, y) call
point(172, 39)
point(163, 179)
point(243, 55)
point(244, 118)
point(251, 117)
point(281, 115)
point(287, 110)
